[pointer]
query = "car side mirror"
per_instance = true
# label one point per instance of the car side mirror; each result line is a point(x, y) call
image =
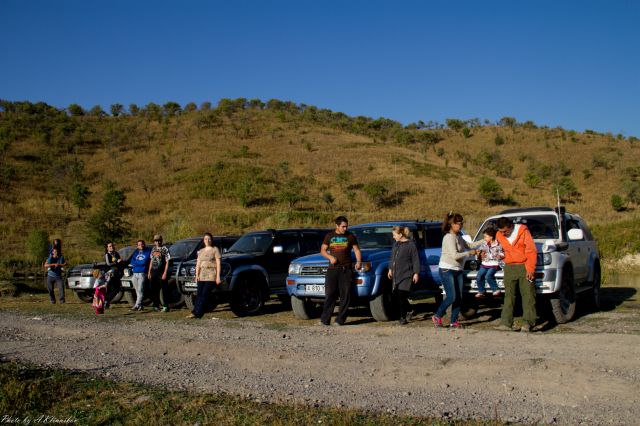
point(277, 249)
point(575, 234)
point(467, 238)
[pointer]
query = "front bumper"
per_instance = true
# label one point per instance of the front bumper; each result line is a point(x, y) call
point(80, 283)
point(313, 286)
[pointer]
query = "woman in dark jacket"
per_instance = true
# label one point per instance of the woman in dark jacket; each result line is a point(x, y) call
point(114, 264)
point(404, 269)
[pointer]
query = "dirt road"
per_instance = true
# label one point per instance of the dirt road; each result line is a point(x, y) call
point(566, 378)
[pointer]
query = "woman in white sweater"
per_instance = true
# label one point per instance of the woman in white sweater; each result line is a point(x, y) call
point(454, 251)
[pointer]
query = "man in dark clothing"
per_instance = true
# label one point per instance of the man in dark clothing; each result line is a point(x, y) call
point(158, 274)
point(336, 248)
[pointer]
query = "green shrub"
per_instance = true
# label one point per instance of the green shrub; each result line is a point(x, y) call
point(617, 202)
point(499, 140)
point(490, 190)
point(38, 245)
point(532, 180)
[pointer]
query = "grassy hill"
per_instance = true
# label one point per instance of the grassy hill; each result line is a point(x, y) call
point(247, 165)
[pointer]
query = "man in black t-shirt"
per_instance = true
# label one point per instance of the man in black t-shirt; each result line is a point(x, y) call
point(336, 247)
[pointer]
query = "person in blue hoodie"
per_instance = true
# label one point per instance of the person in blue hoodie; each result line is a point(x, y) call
point(140, 265)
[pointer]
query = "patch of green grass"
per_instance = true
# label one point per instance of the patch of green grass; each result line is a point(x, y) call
point(615, 239)
point(28, 391)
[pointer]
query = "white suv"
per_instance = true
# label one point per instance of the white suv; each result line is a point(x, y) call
point(568, 258)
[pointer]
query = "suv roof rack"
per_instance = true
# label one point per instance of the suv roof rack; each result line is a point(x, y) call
point(527, 210)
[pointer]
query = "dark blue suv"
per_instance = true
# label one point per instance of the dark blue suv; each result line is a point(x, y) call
point(305, 282)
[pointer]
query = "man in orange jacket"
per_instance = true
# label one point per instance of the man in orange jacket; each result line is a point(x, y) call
point(520, 260)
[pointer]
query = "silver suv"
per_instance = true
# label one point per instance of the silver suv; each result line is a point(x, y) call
point(568, 258)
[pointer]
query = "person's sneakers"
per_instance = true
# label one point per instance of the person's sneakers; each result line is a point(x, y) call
point(107, 305)
point(324, 324)
point(497, 293)
point(338, 323)
point(53, 302)
point(141, 308)
point(437, 321)
point(190, 316)
point(165, 309)
point(502, 327)
point(456, 324)
point(135, 308)
point(480, 296)
point(156, 309)
point(402, 321)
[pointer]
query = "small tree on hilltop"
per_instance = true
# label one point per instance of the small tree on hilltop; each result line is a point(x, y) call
point(107, 223)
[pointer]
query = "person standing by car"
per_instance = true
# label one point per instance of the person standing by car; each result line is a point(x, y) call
point(54, 265)
point(336, 248)
point(207, 274)
point(404, 269)
point(140, 267)
point(114, 264)
point(454, 250)
point(158, 271)
point(520, 257)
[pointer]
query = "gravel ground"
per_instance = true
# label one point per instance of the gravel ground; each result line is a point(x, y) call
point(568, 378)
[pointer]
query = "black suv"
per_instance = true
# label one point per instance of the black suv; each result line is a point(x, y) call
point(254, 268)
point(180, 251)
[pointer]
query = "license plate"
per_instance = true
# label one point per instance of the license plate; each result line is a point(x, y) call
point(127, 284)
point(314, 288)
point(190, 284)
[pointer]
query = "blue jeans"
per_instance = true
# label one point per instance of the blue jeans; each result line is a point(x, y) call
point(489, 274)
point(452, 282)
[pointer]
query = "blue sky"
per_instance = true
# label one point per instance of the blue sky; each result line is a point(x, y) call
point(574, 64)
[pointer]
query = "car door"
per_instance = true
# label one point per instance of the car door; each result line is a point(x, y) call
point(579, 252)
point(285, 248)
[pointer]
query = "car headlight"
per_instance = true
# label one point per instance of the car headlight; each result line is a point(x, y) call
point(183, 272)
point(192, 271)
point(86, 272)
point(364, 267)
point(295, 268)
point(473, 265)
point(127, 272)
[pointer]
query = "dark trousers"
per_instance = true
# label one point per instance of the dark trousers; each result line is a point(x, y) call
point(202, 297)
point(515, 279)
point(157, 284)
point(51, 282)
point(113, 288)
point(401, 299)
point(338, 281)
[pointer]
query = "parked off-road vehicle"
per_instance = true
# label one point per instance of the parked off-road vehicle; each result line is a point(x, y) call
point(568, 258)
point(180, 251)
point(254, 268)
point(80, 277)
point(305, 283)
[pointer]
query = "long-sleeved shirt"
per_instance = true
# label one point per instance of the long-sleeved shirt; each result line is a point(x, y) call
point(140, 261)
point(404, 263)
point(519, 248)
point(454, 250)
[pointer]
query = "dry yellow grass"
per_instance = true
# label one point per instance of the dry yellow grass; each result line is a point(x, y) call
point(148, 165)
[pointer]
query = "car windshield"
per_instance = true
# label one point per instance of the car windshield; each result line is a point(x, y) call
point(183, 248)
point(125, 252)
point(374, 237)
point(252, 243)
point(541, 227)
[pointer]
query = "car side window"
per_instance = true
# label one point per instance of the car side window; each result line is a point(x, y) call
point(289, 243)
point(433, 237)
point(587, 232)
point(311, 243)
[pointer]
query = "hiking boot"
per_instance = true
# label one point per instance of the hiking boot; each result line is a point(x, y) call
point(324, 324)
point(437, 321)
point(502, 327)
point(165, 309)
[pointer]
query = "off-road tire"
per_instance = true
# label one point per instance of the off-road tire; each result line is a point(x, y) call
point(305, 309)
point(594, 293)
point(563, 303)
point(247, 298)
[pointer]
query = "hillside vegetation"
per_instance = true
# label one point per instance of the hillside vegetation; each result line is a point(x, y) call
point(246, 164)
